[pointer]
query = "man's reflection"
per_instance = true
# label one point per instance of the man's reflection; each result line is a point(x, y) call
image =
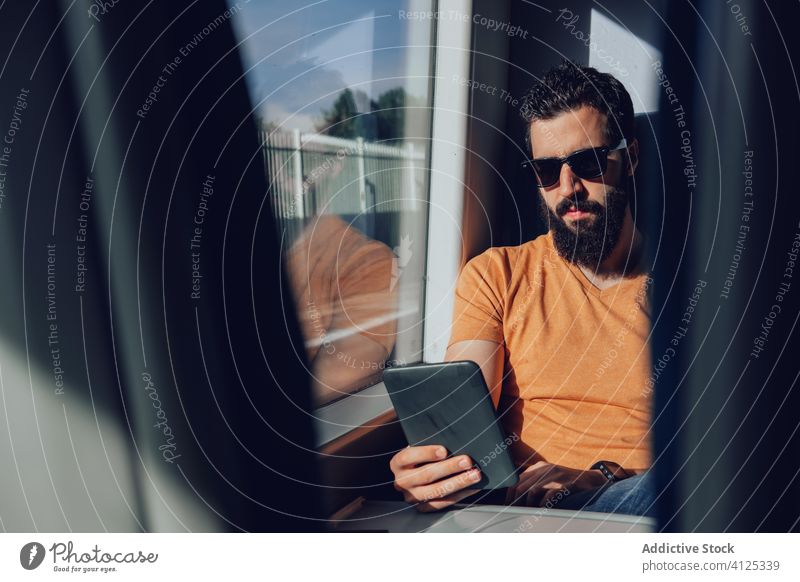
point(342, 285)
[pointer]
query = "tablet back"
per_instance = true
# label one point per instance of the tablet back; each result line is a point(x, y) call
point(449, 404)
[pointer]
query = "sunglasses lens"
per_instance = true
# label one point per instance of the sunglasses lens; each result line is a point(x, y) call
point(546, 171)
point(588, 164)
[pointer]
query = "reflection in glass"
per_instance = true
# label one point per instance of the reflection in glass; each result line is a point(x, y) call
point(346, 302)
point(342, 92)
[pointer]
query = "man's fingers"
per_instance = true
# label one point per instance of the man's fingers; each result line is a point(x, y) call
point(412, 456)
point(534, 497)
point(536, 467)
point(437, 504)
point(552, 496)
point(432, 472)
point(527, 479)
point(531, 492)
point(442, 489)
point(524, 496)
point(535, 473)
point(532, 478)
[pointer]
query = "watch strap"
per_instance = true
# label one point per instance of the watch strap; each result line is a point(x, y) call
point(611, 470)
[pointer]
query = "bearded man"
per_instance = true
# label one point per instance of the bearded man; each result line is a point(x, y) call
point(559, 325)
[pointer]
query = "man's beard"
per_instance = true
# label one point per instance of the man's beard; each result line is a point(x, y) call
point(590, 241)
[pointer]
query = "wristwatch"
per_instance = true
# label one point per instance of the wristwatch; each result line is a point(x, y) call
point(611, 470)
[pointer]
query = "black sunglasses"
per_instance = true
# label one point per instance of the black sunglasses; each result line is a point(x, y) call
point(587, 164)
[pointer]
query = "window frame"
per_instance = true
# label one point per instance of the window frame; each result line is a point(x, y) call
point(447, 159)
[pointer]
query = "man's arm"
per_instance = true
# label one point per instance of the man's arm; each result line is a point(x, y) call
point(488, 355)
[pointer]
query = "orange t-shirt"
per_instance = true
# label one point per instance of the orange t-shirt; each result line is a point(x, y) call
point(576, 357)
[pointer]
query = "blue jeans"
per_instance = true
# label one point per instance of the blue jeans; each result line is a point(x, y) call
point(632, 496)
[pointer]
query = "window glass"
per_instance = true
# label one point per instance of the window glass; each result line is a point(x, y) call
point(341, 91)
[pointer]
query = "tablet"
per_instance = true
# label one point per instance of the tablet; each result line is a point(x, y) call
point(449, 404)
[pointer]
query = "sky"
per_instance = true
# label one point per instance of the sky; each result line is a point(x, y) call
point(300, 55)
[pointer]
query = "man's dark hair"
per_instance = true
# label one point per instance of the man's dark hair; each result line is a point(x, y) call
point(569, 86)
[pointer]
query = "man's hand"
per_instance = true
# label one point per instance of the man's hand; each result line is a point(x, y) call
point(426, 478)
point(541, 482)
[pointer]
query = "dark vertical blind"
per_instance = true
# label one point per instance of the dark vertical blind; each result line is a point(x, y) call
point(725, 348)
point(146, 350)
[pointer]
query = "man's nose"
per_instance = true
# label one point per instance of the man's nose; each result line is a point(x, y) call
point(569, 185)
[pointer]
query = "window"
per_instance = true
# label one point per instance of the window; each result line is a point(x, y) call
point(342, 94)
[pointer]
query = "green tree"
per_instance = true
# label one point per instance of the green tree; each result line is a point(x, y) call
point(385, 122)
point(389, 110)
point(342, 119)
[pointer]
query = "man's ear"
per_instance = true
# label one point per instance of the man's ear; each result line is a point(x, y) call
point(633, 156)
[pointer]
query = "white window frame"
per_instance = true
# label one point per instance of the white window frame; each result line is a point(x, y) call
point(445, 216)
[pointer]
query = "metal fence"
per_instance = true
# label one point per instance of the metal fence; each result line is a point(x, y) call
point(314, 174)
